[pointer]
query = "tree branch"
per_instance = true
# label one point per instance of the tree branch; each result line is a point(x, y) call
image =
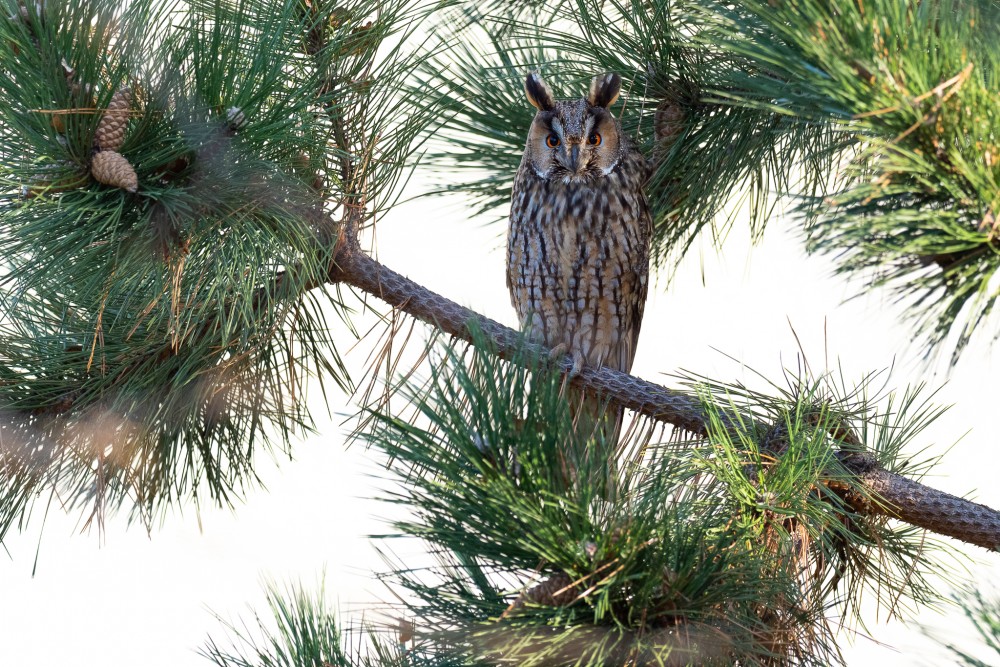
point(888, 494)
point(355, 268)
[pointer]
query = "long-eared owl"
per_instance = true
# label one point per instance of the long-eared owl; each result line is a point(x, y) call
point(578, 243)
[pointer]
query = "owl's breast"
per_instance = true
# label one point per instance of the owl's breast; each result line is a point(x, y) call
point(577, 265)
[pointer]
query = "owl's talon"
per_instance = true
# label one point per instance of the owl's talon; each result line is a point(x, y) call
point(558, 351)
point(561, 350)
point(577, 365)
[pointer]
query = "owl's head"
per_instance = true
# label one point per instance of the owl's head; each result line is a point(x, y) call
point(574, 140)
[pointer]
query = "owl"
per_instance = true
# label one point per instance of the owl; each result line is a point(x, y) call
point(578, 242)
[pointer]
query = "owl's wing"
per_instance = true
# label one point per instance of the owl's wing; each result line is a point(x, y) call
point(514, 281)
point(641, 255)
point(633, 324)
point(515, 244)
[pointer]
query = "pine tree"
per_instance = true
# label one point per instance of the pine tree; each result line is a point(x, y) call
point(187, 189)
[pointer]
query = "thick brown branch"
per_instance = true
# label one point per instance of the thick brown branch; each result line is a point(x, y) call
point(914, 503)
point(894, 496)
point(359, 270)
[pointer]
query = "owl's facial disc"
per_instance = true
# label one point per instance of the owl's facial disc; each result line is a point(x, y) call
point(587, 142)
point(573, 142)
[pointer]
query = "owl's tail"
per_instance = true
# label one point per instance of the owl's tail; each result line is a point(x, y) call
point(597, 428)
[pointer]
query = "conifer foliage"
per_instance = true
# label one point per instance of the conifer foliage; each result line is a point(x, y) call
point(160, 240)
point(182, 187)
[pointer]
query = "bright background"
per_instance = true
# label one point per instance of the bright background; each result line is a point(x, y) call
point(126, 598)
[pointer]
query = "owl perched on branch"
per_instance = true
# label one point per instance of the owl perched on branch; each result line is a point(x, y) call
point(578, 243)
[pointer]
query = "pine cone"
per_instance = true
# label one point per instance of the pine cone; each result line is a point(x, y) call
point(113, 168)
point(110, 133)
point(556, 591)
point(668, 124)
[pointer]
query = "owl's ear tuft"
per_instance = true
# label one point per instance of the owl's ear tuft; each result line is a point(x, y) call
point(538, 93)
point(604, 89)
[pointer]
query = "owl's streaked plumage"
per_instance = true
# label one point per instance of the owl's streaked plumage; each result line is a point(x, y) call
point(578, 243)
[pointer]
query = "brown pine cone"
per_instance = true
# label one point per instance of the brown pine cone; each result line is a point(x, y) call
point(113, 168)
point(110, 133)
point(668, 124)
point(556, 591)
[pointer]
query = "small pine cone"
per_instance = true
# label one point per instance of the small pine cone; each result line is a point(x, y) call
point(110, 133)
point(668, 124)
point(113, 168)
point(556, 591)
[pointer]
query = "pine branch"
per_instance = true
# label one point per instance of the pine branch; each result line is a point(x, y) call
point(357, 269)
point(878, 492)
point(937, 511)
point(188, 306)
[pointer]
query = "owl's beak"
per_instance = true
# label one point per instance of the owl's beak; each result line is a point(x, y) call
point(574, 157)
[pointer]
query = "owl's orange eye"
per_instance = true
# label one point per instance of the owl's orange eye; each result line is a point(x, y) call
point(594, 139)
point(552, 140)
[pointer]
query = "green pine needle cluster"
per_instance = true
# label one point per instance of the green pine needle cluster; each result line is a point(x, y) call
point(304, 633)
point(509, 499)
point(718, 159)
point(745, 540)
point(151, 343)
point(782, 463)
point(299, 630)
point(913, 85)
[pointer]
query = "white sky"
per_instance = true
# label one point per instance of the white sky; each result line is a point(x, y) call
point(132, 599)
